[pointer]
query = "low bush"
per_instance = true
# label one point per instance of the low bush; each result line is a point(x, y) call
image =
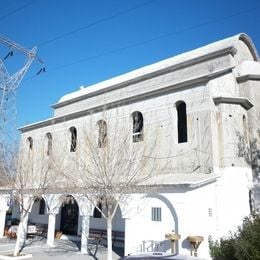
point(244, 244)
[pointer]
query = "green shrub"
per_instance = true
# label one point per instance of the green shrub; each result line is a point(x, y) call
point(244, 244)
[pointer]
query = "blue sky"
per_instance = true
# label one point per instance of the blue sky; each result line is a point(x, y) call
point(83, 42)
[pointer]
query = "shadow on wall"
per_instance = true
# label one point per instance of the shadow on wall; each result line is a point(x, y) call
point(186, 244)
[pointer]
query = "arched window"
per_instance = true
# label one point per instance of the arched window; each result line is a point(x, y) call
point(138, 124)
point(102, 133)
point(73, 143)
point(48, 144)
point(30, 143)
point(182, 122)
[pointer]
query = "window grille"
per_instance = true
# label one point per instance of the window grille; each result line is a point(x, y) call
point(156, 214)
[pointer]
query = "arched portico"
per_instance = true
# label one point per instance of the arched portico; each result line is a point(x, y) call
point(52, 217)
point(55, 203)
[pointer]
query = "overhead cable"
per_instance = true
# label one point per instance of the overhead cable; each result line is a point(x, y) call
point(102, 20)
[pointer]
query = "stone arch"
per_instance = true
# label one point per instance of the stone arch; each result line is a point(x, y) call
point(249, 43)
point(38, 211)
point(170, 207)
point(36, 199)
point(84, 204)
point(174, 215)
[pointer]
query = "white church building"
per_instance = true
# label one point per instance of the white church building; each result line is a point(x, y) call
point(205, 104)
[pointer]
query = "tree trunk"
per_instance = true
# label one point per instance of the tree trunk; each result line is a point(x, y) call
point(21, 234)
point(109, 238)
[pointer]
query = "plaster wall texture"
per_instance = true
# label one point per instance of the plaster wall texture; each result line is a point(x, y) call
point(150, 86)
point(160, 123)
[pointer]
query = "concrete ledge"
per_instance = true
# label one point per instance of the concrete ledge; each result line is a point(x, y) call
point(244, 102)
point(9, 257)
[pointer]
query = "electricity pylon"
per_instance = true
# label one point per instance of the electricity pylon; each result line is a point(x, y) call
point(8, 86)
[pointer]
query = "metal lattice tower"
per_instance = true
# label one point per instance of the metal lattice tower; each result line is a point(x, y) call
point(8, 86)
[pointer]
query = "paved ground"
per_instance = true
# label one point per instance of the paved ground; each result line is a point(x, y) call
point(63, 250)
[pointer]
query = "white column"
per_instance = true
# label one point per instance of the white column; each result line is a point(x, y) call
point(51, 229)
point(84, 234)
point(2, 222)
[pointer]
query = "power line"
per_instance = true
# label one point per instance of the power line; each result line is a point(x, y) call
point(87, 26)
point(143, 42)
point(193, 27)
point(16, 10)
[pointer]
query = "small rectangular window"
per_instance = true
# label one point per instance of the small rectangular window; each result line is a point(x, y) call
point(156, 214)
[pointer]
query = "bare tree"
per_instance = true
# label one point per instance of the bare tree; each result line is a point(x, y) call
point(27, 180)
point(114, 159)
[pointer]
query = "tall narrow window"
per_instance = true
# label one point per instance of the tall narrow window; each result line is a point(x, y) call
point(48, 144)
point(137, 126)
point(245, 128)
point(182, 121)
point(102, 133)
point(73, 144)
point(41, 206)
point(30, 143)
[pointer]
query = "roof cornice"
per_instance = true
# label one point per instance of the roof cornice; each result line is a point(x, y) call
point(247, 77)
point(132, 79)
point(202, 79)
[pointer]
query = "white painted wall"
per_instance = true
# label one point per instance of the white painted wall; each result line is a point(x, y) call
point(35, 217)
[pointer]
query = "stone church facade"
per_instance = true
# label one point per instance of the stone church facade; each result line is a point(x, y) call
point(206, 106)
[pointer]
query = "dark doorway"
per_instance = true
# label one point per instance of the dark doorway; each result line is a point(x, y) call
point(69, 216)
